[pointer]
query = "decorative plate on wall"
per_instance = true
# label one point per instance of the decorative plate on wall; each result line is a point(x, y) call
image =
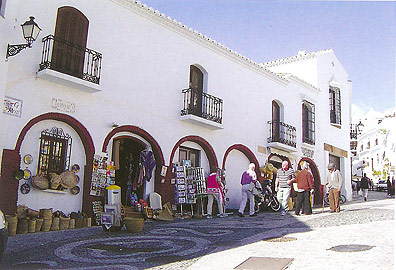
point(28, 159)
point(75, 190)
point(19, 174)
point(25, 188)
point(75, 168)
point(27, 174)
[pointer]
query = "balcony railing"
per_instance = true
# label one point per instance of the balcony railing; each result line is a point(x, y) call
point(202, 105)
point(282, 133)
point(66, 57)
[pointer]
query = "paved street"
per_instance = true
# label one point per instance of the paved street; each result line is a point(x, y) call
point(361, 236)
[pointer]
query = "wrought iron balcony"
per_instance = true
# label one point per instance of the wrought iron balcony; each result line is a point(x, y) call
point(202, 105)
point(68, 58)
point(282, 133)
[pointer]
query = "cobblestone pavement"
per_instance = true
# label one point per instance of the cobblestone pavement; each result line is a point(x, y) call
point(204, 243)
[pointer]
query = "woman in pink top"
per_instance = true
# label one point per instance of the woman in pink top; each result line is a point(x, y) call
point(214, 192)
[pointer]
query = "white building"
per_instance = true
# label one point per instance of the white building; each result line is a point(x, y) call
point(376, 145)
point(148, 82)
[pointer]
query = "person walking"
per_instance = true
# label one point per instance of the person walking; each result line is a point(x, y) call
point(305, 187)
point(334, 183)
point(283, 180)
point(389, 186)
point(364, 185)
point(248, 177)
point(214, 193)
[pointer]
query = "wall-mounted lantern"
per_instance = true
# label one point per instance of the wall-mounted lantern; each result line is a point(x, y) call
point(30, 30)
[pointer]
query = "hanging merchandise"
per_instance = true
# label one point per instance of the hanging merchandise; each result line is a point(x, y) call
point(25, 188)
point(148, 161)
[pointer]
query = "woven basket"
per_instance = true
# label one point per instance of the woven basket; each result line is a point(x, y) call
point(22, 227)
point(39, 223)
point(64, 223)
point(33, 213)
point(134, 225)
point(55, 180)
point(40, 182)
point(69, 179)
point(46, 225)
point(72, 223)
point(12, 224)
point(31, 225)
point(46, 213)
point(55, 224)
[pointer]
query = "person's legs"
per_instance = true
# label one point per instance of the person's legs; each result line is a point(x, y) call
point(251, 204)
point(332, 200)
point(307, 203)
point(210, 204)
point(244, 198)
point(219, 200)
point(337, 200)
point(300, 198)
point(365, 193)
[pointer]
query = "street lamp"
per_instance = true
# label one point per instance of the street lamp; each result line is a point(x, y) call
point(360, 127)
point(30, 30)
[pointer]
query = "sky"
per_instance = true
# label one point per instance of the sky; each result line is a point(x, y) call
point(362, 35)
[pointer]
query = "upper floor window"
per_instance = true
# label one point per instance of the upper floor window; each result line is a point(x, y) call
point(368, 145)
point(54, 152)
point(335, 105)
point(71, 32)
point(308, 122)
point(2, 7)
point(376, 141)
point(361, 148)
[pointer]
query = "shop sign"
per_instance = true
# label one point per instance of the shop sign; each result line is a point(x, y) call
point(63, 106)
point(12, 106)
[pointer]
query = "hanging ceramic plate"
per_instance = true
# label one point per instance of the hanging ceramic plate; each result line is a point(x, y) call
point(19, 174)
point(28, 159)
point(75, 190)
point(27, 174)
point(25, 188)
point(75, 168)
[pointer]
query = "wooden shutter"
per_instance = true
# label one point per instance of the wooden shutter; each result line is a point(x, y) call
point(70, 41)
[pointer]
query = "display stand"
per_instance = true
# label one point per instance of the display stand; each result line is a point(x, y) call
point(190, 185)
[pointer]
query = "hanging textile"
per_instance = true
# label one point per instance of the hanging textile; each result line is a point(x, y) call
point(148, 161)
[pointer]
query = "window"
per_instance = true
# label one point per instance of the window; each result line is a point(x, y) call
point(193, 155)
point(2, 7)
point(335, 105)
point(368, 145)
point(54, 152)
point(196, 86)
point(361, 148)
point(70, 41)
point(376, 141)
point(308, 122)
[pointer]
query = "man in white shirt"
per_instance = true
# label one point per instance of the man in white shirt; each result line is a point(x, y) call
point(334, 184)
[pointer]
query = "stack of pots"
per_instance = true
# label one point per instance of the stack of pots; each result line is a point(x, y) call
point(46, 214)
point(12, 221)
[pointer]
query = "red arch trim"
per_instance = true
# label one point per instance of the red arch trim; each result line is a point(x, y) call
point(246, 151)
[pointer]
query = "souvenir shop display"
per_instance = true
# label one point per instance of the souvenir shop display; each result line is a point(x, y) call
point(190, 184)
point(103, 175)
point(97, 209)
point(28, 159)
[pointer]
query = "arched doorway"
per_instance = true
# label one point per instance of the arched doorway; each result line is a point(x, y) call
point(133, 141)
point(318, 194)
point(235, 161)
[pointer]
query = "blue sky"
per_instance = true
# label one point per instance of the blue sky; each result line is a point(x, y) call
point(362, 34)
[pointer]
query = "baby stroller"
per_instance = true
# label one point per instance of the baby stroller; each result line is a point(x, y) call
point(263, 196)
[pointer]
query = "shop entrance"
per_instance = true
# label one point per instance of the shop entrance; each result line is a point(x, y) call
point(126, 156)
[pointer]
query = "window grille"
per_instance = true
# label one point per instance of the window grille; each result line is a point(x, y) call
point(54, 152)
